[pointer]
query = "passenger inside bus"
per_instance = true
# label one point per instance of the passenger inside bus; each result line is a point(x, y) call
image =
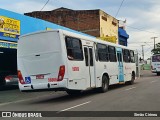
point(69, 54)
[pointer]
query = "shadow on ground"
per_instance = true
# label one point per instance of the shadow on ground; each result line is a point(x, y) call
point(65, 97)
point(8, 87)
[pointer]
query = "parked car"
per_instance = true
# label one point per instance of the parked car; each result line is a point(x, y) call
point(11, 80)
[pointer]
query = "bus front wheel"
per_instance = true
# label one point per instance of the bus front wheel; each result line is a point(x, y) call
point(158, 74)
point(105, 84)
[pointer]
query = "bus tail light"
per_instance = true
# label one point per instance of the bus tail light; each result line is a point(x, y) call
point(20, 77)
point(61, 73)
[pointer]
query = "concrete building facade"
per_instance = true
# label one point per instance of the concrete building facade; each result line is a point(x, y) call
point(93, 22)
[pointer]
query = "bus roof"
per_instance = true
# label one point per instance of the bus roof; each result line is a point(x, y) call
point(89, 38)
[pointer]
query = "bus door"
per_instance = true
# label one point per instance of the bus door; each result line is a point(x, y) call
point(89, 63)
point(120, 65)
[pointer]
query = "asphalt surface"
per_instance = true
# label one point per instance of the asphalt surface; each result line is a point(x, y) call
point(144, 95)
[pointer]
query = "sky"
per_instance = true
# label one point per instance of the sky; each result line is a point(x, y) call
point(143, 16)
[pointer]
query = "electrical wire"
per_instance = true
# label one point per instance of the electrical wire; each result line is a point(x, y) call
point(142, 30)
point(119, 8)
point(45, 5)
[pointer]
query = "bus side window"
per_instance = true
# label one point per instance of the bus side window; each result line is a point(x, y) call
point(158, 58)
point(91, 56)
point(132, 56)
point(119, 55)
point(86, 55)
point(126, 55)
point(96, 51)
point(74, 48)
point(129, 56)
point(154, 58)
point(112, 54)
point(102, 52)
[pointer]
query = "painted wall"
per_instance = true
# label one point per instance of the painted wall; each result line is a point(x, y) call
point(106, 26)
point(29, 24)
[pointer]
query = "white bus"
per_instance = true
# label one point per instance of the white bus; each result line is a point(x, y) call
point(62, 60)
point(155, 64)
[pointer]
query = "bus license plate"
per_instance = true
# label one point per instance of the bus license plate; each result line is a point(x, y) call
point(39, 76)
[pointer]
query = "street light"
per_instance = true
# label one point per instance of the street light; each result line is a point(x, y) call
point(142, 52)
point(154, 41)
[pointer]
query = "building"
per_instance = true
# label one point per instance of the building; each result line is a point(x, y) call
point(122, 34)
point(93, 22)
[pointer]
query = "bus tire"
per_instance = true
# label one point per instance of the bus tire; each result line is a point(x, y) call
point(158, 74)
point(73, 92)
point(105, 84)
point(132, 78)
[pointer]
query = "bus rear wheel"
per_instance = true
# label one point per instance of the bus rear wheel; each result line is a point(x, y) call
point(105, 84)
point(74, 92)
point(132, 79)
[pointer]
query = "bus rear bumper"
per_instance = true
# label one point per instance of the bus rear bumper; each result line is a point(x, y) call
point(60, 85)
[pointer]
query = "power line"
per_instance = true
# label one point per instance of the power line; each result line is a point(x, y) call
point(44, 5)
point(142, 30)
point(139, 42)
point(119, 8)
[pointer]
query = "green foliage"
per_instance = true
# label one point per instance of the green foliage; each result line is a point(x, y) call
point(157, 49)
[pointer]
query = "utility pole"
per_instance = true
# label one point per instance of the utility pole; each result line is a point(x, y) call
point(154, 38)
point(142, 52)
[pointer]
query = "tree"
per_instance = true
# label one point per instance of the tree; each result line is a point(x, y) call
point(157, 49)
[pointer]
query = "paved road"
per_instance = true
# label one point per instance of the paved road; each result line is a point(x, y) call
point(144, 95)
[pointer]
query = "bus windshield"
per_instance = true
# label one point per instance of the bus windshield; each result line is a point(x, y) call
point(156, 58)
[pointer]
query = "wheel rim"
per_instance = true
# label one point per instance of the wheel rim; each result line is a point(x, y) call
point(104, 84)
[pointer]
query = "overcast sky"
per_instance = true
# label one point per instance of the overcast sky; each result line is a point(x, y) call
point(143, 16)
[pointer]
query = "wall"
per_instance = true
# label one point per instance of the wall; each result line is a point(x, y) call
point(93, 22)
point(86, 21)
point(29, 24)
point(108, 25)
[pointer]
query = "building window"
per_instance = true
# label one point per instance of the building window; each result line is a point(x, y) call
point(74, 48)
point(114, 23)
point(104, 18)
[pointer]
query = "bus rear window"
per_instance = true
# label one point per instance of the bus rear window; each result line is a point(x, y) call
point(156, 58)
point(74, 48)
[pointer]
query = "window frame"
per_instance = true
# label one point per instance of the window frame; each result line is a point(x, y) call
point(111, 54)
point(132, 58)
point(106, 53)
point(73, 49)
point(126, 56)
